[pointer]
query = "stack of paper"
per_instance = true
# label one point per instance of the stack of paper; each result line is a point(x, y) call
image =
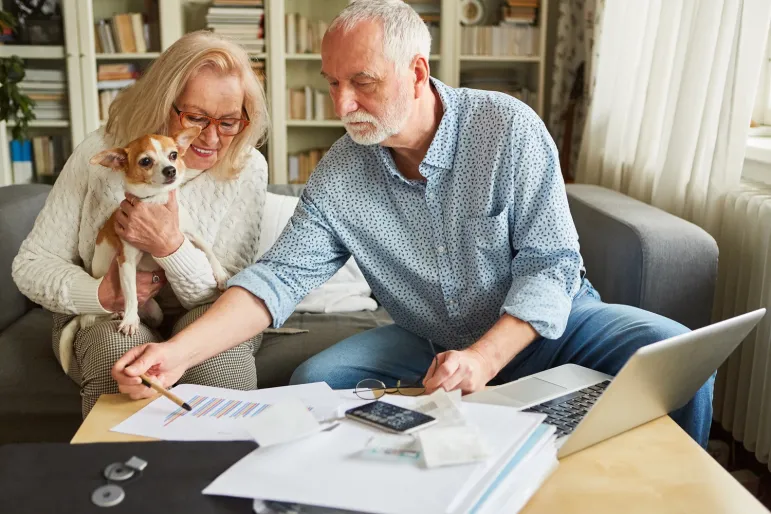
point(334, 470)
point(478, 459)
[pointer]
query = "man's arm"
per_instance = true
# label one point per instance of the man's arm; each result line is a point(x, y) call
point(305, 256)
point(545, 271)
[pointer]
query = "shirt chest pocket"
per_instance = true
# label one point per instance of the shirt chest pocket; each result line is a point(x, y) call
point(488, 249)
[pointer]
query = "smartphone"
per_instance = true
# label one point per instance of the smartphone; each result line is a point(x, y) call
point(390, 418)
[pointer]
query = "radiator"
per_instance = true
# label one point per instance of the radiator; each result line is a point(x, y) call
point(742, 402)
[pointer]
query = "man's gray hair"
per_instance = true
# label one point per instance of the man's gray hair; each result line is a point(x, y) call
point(405, 35)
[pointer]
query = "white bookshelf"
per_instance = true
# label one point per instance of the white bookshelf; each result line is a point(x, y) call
point(283, 69)
point(65, 57)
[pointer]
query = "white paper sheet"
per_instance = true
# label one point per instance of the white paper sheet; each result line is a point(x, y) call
point(283, 421)
point(328, 469)
point(220, 414)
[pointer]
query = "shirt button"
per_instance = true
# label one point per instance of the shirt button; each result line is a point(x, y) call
point(440, 249)
point(430, 196)
point(451, 301)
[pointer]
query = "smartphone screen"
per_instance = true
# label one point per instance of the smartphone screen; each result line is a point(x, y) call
point(390, 418)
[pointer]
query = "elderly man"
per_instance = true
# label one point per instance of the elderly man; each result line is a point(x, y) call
point(452, 202)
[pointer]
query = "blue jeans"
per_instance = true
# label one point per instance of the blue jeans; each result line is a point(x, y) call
point(599, 336)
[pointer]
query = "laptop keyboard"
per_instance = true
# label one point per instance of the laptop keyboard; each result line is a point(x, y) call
point(567, 411)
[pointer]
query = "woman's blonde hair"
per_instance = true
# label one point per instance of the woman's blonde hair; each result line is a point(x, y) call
point(143, 108)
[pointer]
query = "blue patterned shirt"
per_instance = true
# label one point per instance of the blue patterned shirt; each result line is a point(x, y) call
point(487, 232)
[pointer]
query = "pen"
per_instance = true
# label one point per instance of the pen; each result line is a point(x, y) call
point(168, 394)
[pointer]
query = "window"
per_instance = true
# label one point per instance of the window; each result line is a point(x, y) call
point(757, 159)
point(761, 114)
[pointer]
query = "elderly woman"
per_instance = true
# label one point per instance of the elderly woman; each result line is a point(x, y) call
point(201, 80)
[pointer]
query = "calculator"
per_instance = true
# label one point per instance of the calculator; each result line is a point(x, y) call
point(390, 418)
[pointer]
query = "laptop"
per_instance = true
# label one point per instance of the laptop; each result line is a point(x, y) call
point(587, 406)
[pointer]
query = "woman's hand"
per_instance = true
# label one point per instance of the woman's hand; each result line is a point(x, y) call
point(152, 228)
point(111, 295)
point(165, 362)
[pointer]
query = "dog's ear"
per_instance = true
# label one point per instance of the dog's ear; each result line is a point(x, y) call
point(115, 158)
point(183, 138)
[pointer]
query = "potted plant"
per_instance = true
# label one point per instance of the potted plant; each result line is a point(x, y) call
point(15, 107)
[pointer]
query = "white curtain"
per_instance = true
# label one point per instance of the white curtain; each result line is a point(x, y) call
point(674, 92)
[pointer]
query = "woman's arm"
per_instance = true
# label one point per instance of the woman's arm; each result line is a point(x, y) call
point(236, 246)
point(48, 267)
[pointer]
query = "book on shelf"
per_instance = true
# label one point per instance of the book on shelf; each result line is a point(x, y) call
point(510, 40)
point(123, 33)
point(520, 11)
point(509, 84)
point(39, 159)
point(245, 25)
point(430, 11)
point(258, 67)
point(307, 103)
point(238, 3)
point(111, 78)
point(302, 164)
point(303, 35)
point(47, 88)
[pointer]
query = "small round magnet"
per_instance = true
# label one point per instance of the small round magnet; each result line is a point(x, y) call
point(108, 495)
point(118, 472)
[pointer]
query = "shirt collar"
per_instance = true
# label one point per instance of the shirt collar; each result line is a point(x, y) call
point(441, 152)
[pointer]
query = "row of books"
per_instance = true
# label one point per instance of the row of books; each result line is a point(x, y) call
point(302, 164)
point(430, 12)
point(47, 88)
point(500, 40)
point(123, 33)
point(245, 25)
point(303, 35)
point(511, 85)
point(39, 159)
point(520, 11)
point(307, 103)
point(111, 79)
point(258, 67)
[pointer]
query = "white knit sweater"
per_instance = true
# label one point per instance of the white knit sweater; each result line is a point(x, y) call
point(53, 265)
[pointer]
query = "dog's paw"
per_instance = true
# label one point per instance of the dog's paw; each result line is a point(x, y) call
point(222, 281)
point(129, 325)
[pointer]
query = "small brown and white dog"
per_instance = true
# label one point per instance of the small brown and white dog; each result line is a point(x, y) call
point(152, 167)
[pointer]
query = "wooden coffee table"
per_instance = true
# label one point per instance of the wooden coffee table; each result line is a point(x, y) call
point(653, 468)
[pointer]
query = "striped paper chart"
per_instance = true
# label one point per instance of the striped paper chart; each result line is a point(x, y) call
point(220, 414)
point(205, 406)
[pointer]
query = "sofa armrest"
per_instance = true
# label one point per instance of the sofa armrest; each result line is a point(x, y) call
point(19, 207)
point(639, 255)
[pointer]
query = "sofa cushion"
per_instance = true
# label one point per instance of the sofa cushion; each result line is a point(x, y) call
point(280, 354)
point(31, 379)
point(19, 207)
point(38, 402)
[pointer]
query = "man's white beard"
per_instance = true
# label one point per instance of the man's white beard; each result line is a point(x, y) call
point(379, 129)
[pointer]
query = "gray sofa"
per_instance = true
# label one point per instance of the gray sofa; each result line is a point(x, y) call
point(634, 254)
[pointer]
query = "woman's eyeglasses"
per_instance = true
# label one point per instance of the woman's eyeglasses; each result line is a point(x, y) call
point(225, 126)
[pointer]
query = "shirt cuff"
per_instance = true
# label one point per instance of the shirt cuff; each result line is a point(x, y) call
point(182, 262)
point(260, 281)
point(85, 295)
point(541, 303)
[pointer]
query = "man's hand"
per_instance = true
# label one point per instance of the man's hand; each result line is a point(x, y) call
point(163, 361)
point(466, 370)
point(111, 295)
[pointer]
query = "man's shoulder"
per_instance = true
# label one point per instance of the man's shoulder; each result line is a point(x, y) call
point(498, 109)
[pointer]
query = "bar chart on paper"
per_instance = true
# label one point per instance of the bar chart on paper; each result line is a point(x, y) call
point(217, 414)
point(218, 408)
